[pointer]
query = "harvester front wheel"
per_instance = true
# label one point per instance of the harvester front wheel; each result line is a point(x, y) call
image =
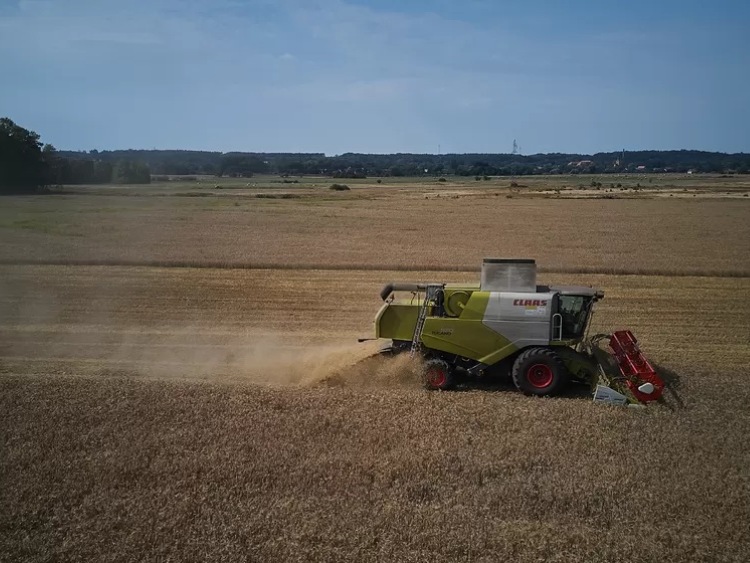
point(539, 371)
point(438, 375)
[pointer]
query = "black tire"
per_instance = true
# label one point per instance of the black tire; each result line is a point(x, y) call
point(438, 375)
point(539, 371)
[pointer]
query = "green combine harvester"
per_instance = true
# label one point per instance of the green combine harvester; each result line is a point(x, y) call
point(510, 325)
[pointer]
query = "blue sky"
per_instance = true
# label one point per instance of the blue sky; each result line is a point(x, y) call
point(385, 76)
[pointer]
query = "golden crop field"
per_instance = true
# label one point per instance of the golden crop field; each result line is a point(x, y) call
point(180, 377)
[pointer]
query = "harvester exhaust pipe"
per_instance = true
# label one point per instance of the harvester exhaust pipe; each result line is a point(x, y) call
point(398, 286)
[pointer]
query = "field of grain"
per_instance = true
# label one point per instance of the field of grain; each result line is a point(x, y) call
point(180, 379)
point(415, 226)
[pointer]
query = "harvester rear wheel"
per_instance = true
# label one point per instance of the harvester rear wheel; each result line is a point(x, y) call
point(438, 375)
point(539, 371)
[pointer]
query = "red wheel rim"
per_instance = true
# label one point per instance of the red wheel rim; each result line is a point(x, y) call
point(540, 376)
point(436, 377)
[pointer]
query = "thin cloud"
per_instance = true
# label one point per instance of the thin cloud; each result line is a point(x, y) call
point(208, 71)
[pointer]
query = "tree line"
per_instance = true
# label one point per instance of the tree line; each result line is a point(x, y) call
point(27, 164)
point(354, 165)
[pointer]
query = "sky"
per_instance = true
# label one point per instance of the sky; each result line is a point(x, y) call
point(419, 76)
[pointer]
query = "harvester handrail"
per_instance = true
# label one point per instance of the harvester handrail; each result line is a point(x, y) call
point(403, 286)
point(557, 326)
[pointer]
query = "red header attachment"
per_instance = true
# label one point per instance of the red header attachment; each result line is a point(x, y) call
point(635, 368)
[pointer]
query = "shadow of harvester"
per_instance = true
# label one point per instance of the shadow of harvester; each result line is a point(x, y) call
point(671, 397)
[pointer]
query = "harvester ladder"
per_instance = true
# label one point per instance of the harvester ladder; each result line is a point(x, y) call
point(431, 291)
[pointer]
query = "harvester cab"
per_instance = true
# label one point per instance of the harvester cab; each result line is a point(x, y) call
point(508, 323)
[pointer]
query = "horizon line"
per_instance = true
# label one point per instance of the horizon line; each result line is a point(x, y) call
point(326, 155)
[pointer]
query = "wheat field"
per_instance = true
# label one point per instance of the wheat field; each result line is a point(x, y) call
point(418, 226)
point(180, 380)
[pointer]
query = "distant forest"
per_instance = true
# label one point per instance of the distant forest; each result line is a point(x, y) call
point(83, 165)
point(27, 164)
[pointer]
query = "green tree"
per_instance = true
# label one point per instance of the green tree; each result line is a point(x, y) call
point(103, 172)
point(81, 171)
point(130, 172)
point(58, 168)
point(236, 164)
point(22, 164)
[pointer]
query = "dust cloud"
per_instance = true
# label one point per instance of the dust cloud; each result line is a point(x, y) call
point(56, 321)
point(277, 360)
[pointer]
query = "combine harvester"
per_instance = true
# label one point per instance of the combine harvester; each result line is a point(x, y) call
point(509, 324)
